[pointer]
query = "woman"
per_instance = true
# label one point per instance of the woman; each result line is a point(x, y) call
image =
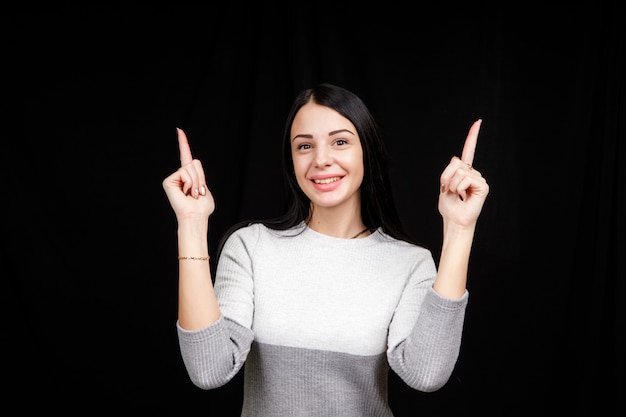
point(320, 303)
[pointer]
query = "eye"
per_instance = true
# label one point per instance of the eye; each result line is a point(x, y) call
point(303, 146)
point(341, 142)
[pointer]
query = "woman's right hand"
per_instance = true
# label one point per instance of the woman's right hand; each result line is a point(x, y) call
point(186, 188)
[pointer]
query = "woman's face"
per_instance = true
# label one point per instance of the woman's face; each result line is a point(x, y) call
point(327, 156)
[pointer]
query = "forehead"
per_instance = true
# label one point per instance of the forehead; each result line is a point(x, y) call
point(314, 118)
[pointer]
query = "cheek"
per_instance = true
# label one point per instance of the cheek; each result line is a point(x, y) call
point(300, 170)
point(354, 164)
point(300, 166)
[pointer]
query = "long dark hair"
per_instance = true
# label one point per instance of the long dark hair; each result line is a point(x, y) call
point(378, 208)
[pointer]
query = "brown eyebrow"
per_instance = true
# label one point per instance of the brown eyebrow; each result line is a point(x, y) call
point(334, 132)
point(302, 136)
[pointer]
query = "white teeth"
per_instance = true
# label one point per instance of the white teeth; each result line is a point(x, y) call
point(327, 180)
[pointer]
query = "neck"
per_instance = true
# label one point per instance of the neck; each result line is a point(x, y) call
point(337, 222)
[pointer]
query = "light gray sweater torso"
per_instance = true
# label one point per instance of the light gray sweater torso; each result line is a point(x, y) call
point(318, 321)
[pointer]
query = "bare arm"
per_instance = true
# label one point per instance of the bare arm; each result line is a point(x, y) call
point(463, 193)
point(193, 203)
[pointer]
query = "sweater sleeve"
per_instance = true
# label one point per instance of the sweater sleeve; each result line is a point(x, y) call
point(425, 359)
point(215, 354)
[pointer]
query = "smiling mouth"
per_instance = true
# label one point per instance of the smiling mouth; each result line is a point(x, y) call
point(327, 180)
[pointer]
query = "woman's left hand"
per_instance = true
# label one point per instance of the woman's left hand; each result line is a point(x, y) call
point(463, 190)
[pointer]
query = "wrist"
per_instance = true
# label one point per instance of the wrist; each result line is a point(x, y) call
point(451, 230)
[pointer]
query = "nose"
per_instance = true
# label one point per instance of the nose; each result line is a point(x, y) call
point(322, 156)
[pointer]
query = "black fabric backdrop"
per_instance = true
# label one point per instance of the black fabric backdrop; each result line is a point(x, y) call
point(92, 98)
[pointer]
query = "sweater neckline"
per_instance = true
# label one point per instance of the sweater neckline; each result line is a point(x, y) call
point(321, 237)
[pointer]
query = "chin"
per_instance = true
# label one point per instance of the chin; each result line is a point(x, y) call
point(328, 203)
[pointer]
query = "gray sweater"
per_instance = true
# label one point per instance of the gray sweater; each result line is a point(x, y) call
point(318, 321)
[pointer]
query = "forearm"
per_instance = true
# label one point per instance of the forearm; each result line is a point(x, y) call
point(197, 305)
point(451, 281)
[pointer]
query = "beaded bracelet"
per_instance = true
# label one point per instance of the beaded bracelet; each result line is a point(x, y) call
point(194, 258)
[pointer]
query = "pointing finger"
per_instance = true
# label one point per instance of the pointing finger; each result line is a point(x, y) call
point(183, 146)
point(470, 143)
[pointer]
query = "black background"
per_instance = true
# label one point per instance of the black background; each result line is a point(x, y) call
point(92, 97)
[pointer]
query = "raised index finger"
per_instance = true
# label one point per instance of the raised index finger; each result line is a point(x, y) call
point(183, 146)
point(470, 143)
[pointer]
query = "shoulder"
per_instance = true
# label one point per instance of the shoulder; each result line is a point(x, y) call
point(254, 231)
point(249, 237)
point(386, 239)
point(401, 249)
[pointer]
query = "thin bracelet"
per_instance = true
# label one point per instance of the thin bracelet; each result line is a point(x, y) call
point(194, 258)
